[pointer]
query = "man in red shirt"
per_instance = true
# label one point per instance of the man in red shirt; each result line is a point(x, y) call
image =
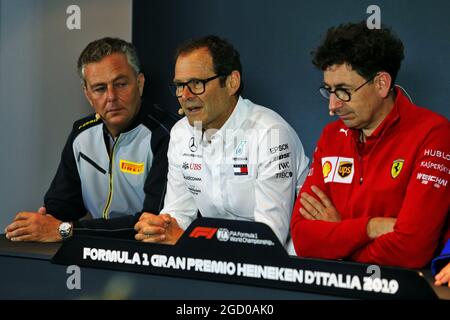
point(377, 191)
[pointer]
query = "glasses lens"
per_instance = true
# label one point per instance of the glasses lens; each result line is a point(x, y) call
point(196, 86)
point(324, 92)
point(342, 94)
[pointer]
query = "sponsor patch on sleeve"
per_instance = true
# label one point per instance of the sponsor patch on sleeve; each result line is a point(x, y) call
point(338, 169)
point(435, 181)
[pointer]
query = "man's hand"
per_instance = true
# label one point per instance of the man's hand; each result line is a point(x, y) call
point(379, 226)
point(318, 210)
point(157, 228)
point(443, 276)
point(34, 226)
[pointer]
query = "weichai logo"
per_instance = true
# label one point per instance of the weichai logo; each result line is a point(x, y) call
point(205, 232)
point(131, 167)
point(345, 168)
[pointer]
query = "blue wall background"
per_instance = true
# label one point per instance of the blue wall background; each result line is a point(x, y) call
point(275, 39)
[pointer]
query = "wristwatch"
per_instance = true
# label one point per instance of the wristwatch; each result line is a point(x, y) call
point(65, 230)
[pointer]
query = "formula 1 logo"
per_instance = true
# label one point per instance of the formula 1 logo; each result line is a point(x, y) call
point(204, 232)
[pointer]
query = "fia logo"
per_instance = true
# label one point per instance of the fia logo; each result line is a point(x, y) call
point(223, 234)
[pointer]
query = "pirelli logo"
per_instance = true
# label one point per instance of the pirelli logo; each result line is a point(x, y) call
point(131, 167)
point(204, 232)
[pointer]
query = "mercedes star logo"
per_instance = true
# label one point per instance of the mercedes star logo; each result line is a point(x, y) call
point(192, 145)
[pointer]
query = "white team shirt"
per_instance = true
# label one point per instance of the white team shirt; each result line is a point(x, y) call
point(252, 169)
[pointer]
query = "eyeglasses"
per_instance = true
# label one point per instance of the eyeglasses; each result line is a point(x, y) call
point(195, 86)
point(341, 93)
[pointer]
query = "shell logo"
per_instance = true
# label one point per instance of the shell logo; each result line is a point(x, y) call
point(326, 169)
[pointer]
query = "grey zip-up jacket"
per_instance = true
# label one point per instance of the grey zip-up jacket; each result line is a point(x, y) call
point(115, 186)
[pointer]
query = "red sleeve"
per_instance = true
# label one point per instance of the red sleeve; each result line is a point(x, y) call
point(423, 214)
point(321, 239)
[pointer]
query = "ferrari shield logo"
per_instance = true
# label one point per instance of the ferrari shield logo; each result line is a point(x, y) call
point(397, 166)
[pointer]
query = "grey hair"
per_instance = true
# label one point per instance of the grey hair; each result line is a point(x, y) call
point(98, 49)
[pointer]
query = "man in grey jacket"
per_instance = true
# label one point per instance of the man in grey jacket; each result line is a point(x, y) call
point(114, 164)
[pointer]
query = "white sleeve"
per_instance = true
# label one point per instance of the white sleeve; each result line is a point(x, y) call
point(282, 168)
point(178, 201)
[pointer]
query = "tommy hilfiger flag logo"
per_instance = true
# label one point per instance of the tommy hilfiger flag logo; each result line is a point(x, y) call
point(240, 169)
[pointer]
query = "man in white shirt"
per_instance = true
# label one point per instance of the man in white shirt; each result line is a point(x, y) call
point(228, 158)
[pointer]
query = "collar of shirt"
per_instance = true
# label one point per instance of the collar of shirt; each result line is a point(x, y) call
point(366, 145)
point(111, 142)
point(235, 121)
point(390, 120)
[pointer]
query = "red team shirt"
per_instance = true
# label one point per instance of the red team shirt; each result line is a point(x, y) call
point(401, 171)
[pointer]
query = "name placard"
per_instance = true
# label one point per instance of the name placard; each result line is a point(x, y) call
point(245, 253)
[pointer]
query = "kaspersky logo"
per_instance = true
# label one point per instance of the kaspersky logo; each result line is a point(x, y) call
point(204, 232)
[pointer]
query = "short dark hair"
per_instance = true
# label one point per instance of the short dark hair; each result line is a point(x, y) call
point(368, 51)
point(98, 49)
point(225, 57)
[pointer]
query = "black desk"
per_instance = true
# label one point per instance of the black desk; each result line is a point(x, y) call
point(27, 273)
